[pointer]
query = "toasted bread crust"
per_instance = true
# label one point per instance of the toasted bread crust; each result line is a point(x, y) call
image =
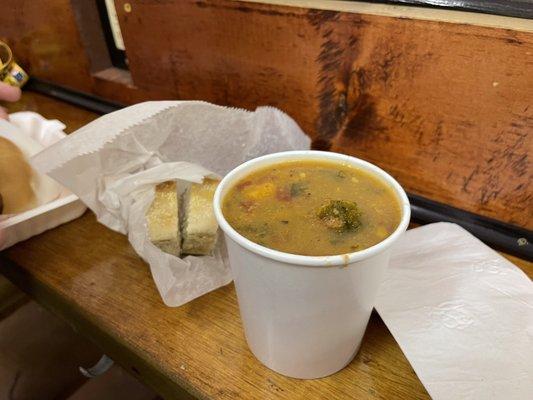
point(163, 218)
point(199, 226)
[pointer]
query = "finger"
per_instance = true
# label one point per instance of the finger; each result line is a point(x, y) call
point(3, 113)
point(8, 92)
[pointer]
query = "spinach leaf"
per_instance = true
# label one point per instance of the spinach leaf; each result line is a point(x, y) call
point(298, 188)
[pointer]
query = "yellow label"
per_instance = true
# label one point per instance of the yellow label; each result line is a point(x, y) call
point(16, 76)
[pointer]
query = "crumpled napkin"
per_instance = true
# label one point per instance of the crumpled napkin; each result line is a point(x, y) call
point(114, 162)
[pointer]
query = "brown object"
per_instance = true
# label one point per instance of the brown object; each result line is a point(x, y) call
point(40, 355)
point(46, 41)
point(445, 107)
point(91, 276)
point(15, 179)
point(112, 385)
point(11, 298)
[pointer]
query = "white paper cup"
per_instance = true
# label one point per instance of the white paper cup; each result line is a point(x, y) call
point(305, 316)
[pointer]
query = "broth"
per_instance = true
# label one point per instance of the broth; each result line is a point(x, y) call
point(312, 208)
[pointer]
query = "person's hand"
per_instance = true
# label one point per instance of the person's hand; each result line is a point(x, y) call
point(8, 93)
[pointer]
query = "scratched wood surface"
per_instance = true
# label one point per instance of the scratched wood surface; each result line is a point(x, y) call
point(90, 276)
point(445, 107)
point(45, 40)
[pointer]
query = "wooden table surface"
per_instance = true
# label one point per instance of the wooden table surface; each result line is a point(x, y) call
point(91, 276)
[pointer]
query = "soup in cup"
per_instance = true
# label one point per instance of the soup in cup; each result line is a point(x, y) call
point(309, 236)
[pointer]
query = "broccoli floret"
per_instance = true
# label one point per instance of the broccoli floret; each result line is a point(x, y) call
point(340, 215)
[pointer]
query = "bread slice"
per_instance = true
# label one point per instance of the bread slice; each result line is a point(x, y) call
point(199, 226)
point(163, 219)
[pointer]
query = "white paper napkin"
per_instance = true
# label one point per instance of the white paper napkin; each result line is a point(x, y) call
point(462, 314)
point(114, 162)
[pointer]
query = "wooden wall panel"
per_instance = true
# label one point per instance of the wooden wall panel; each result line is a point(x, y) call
point(46, 41)
point(445, 113)
point(444, 107)
point(224, 53)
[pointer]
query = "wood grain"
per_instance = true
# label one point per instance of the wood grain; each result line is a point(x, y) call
point(56, 40)
point(445, 107)
point(45, 41)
